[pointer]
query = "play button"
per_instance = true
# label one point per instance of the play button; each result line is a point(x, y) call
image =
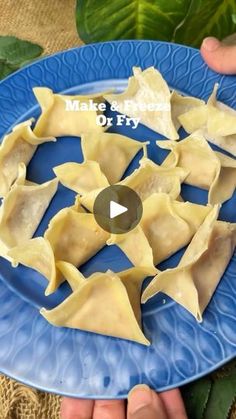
point(118, 209)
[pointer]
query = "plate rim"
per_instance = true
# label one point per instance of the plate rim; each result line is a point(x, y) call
point(10, 290)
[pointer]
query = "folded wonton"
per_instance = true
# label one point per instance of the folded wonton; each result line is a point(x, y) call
point(17, 147)
point(166, 226)
point(101, 147)
point(56, 120)
point(216, 120)
point(22, 210)
point(146, 180)
point(37, 254)
point(75, 236)
point(207, 169)
point(193, 282)
point(182, 104)
point(147, 88)
point(105, 303)
point(81, 177)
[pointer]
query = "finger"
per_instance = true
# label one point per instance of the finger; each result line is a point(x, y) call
point(173, 403)
point(76, 408)
point(109, 409)
point(218, 56)
point(144, 403)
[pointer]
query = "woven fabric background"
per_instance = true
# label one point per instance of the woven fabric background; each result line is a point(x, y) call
point(51, 24)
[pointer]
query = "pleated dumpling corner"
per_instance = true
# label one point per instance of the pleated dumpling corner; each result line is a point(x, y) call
point(23, 208)
point(81, 177)
point(182, 104)
point(216, 120)
point(101, 146)
point(59, 117)
point(99, 304)
point(207, 169)
point(147, 88)
point(37, 254)
point(75, 236)
point(147, 179)
point(140, 254)
point(193, 282)
point(151, 178)
point(17, 147)
point(166, 227)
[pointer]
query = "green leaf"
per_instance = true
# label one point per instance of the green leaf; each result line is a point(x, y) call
point(195, 397)
point(14, 52)
point(222, 396)
point(183, 21)
point(207, 18)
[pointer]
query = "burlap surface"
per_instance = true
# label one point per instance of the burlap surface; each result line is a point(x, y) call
point(51, 24)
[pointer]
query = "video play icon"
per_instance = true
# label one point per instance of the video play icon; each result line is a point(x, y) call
point(118, 209)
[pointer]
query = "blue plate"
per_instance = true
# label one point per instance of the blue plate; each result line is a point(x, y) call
point(81, 364)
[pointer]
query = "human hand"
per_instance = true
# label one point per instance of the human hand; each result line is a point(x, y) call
point(143, 403)
point(218, 56)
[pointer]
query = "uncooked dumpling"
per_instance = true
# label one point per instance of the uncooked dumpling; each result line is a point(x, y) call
point(146, 180)
point(75, 236)
point(193, 282)
point(182, 104)
point(112, 151)
point(17, 147)
point(216, 120)
point(101, 305)
point(37, 254)
point(147, 88)
point(57, 121)
point(81, 177)
point(207, 169)
point(166, 226)
point(22, 210)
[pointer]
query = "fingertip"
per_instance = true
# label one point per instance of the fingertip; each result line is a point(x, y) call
point(210, 44)
point(145, 403)
point(72, 408)
point(218, 56)
point(174, 404)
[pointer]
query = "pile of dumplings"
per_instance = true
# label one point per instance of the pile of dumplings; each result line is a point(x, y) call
point(168, 223)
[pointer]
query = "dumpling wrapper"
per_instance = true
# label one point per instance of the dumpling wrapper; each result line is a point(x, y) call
point(75, 236)
point(81, 177)
point(182, 104)
point(216, 120)
point(147, 179)
point(17, 147)
point(193, 282)
point(101, 147)
point(38, 254)
point(207, 169)
point(22, 210)
point(57, 121)
point(166, 227)
point(132, 279)
point(99, 305)
point(145, 88)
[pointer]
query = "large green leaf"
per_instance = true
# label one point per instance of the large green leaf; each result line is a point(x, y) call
point(14, 53)
point(207, 18)
point(222, 396)
point(183, 21)
point(195, 397)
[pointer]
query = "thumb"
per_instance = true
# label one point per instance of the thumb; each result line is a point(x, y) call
point(218, 56)
point(144, 403)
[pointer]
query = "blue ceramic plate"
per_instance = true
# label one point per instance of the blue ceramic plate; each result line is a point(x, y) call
point(82, 364)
